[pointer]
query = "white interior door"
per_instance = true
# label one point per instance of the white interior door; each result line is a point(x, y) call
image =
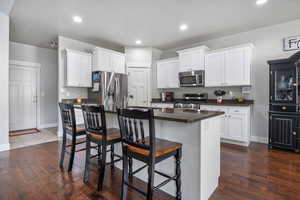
point(138, 87)
point(23, 98)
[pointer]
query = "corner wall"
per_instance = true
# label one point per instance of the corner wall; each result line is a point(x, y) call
point(4, 57)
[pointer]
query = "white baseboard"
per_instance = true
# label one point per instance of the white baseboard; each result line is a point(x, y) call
point(4, 147)
point(245, 144)
point(259, 139)
point(50, 125)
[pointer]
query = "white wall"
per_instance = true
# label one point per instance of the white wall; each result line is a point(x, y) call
point(4, 56)
point(48, 77)
point(268, 46)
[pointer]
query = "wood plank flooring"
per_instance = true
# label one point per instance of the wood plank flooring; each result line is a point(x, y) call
point(256, 173)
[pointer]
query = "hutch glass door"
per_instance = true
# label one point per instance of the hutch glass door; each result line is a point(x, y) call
point(284, 85)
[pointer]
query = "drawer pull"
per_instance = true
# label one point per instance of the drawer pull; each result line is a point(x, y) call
point(283, 107)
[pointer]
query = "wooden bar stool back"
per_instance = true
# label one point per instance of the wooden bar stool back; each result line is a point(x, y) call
point(98, 133)
point(141, 144)
point(69, 128)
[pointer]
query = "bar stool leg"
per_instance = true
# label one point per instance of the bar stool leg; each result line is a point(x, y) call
point(63, 151)
point(178, 174)
point(150, 181)
point(87, 159)
point(73, 148)
point(124, 175)
point(102, 167)
point(99, 154)
point(112, 156)
point(130, 161)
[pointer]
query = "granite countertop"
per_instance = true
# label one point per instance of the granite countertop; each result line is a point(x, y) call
point(226, 102)
point(176, 115)
point(182, 115)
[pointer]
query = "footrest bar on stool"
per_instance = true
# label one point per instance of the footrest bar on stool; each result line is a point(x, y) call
point(138, 170)
point(164, 183)
point(136, 189)
point(69, 145)
point(83, 149)
point(118, 156)
point(117, 160)
point(162, 174)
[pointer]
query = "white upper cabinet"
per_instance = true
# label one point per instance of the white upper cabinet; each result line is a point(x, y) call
point(118, 63)
point(138, 57)
point(167, 73)
point(192, 59)
point(108, 60)
point(229, 67)
point(238, 66)
point(101, 60)
point(214, 74)
point(78, 69)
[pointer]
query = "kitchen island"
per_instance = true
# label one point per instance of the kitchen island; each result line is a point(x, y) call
point(199, 132)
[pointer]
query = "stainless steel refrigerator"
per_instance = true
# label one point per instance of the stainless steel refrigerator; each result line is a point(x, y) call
point(109, 89)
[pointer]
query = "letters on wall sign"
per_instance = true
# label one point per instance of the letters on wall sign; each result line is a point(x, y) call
point(291, 43)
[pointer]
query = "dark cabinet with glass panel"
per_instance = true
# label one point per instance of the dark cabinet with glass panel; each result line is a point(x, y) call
point(284, 105)
point(283, 84)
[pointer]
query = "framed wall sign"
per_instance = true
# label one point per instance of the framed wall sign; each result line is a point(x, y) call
point(291, 43)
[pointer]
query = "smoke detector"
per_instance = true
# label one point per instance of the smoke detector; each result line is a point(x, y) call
point(53, 44)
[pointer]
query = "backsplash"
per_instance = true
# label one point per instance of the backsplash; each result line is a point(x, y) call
point(231, 92)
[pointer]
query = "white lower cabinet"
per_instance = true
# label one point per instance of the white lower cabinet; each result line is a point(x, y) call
point(236, 123)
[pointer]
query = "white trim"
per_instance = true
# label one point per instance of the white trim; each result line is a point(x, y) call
point(49, 125)
point(24, 63)
point(37, 67)
point(245, 144)
point(59, 134)
point(259, 139)
point(4, 147)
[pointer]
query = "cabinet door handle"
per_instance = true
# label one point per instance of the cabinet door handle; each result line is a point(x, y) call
point(283, 107)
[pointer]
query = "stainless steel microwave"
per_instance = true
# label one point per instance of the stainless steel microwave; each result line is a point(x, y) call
point(192, 78)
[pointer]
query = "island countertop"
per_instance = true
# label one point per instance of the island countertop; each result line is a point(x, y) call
point(169, 114)
point(182, 115)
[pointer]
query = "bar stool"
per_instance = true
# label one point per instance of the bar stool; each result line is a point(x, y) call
point(149, 150)
point(95, 123)
point(69, 128)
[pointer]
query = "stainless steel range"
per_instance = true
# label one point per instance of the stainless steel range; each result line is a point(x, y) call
point(192, 101)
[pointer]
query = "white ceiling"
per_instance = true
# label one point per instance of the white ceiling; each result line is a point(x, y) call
point(6, 6)
point(116, 23)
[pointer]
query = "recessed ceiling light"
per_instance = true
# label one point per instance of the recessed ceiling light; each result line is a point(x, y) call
point(183, 27)
point(77, 19)
point(138, 42)
point(261, 2)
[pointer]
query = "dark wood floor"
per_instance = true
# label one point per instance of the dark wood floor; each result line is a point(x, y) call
point(32, 173)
